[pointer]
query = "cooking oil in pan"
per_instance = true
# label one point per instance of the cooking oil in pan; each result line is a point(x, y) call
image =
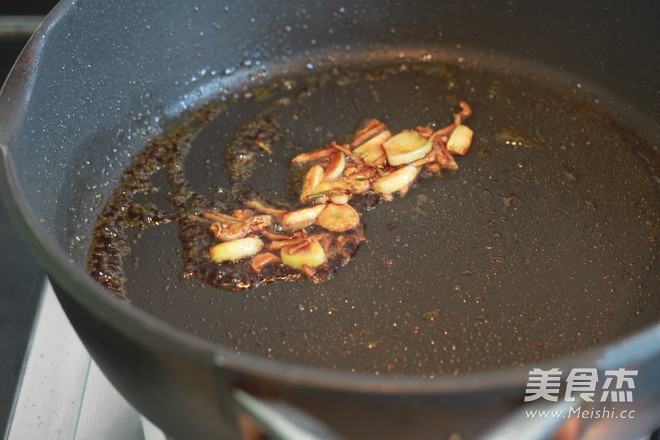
point(542, 244)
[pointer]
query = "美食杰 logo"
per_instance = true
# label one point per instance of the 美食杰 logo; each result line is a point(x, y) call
point(582, 385)
point(613, 385)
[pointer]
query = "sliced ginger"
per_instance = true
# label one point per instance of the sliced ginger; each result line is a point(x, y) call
point(309, 253)
point(339, 218)
point(376, 161)
point(406, 147)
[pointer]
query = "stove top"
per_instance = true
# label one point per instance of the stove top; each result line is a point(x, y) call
point(63, 394)
point(21, 278)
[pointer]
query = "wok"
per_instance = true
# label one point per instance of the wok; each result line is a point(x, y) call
point(540, 251)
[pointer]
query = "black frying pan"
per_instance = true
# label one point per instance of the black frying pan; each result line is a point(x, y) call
point(542, 245)
point(466, 273)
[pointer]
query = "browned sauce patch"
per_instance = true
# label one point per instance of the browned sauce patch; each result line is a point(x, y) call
point(245, 240)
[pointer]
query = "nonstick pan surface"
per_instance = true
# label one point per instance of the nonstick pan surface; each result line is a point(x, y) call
point(542, 244)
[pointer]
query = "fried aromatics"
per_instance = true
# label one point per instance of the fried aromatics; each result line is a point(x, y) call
point(370, 130)
point(372, 152)
point(327, 227)
point(460, 140)
point(308, 252)
point(339, 218)
point(398, 180)
point(336, 166)
point(262, 260)
point(466, 112)
point(277, 245)
point(265, 209)
point(301, 218)
point(312, 179)
point(236, 249)
point(313, 156)
point(329, 189)
point(228, 231)
point(406, 147)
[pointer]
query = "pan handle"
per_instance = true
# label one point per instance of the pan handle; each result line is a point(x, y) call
point(282, 420)
point(519, 425)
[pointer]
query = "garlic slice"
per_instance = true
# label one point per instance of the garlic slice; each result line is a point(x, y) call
point(406, 147)
point(339, 218)
point(300, 218)
point(313, 177)
point(397, 180)
point(336, 166)
point(310, 254)
point(358, 186)
point(372, 151)
point(460, 140)
point(236, 249)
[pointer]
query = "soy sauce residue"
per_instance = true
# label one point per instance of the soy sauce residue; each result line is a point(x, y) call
point(124, 211)
point(533, 236)
point(165, 155)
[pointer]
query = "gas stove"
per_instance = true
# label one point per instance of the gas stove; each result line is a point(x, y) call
point(63, 394)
